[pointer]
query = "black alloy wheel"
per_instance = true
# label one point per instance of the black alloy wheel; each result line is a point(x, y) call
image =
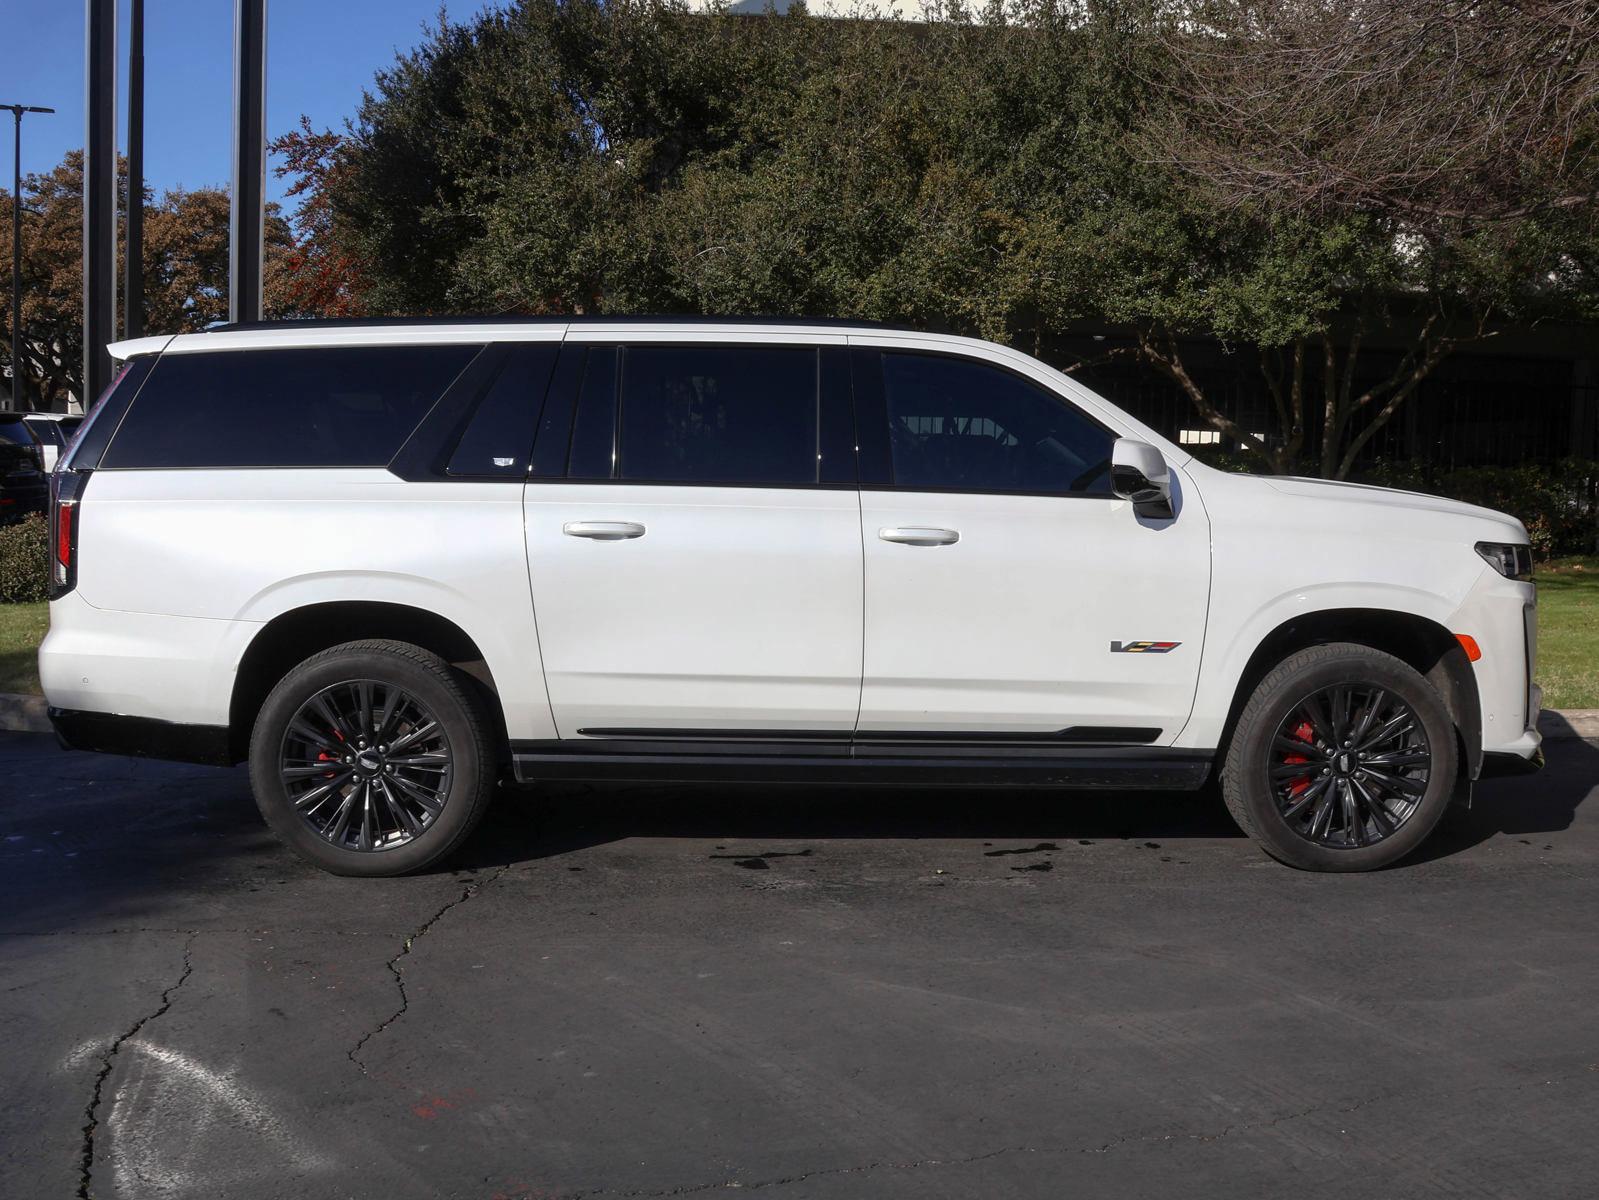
point(374, 758)
point(366, 765)
point(1349, 765)
point(1343, 759)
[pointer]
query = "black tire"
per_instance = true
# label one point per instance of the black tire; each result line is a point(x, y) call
point(416, 836)
point(1262, 771)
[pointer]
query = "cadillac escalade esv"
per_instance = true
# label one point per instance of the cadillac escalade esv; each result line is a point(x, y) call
point(393, 563)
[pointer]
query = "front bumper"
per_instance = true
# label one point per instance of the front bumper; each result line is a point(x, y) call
point(1501, 616)
point(1501, 764)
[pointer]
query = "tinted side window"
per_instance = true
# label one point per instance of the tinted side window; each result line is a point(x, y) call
point(718, 414)
point(594, 426)
point(499, 440)
point(333, 407)
point(968, 426)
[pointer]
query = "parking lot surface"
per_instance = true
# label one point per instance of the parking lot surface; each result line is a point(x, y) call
point(649, 992)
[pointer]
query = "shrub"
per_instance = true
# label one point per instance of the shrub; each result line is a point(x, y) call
point(24, 559)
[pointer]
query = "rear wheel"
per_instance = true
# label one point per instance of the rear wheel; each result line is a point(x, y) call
point(1344, 759)
point(372, 758)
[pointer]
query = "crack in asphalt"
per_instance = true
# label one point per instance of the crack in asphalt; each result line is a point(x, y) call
point(108, 1061)
point(395, 969)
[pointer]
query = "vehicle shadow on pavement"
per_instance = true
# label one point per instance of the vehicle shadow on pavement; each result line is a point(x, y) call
point(557, 819)
point(1518, 806)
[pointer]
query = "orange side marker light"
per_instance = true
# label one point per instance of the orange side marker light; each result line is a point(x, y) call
point(1469, 645)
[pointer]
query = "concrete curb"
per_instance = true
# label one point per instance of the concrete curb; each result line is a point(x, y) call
point(25, 714)
point(1556, 724)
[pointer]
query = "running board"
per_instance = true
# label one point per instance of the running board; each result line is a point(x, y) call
point(777, 758)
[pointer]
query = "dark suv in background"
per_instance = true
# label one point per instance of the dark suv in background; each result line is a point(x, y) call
point(24, 487)
point(54, 431)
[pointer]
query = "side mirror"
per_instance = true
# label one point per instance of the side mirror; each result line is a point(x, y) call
point(1138, 473)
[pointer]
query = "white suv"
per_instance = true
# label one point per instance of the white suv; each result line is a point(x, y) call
point(398, 562)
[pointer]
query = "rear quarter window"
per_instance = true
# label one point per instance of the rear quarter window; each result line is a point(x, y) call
point(323, 407)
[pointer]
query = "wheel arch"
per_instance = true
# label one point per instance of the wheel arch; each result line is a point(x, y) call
point(293, 636)
point(1418, 641)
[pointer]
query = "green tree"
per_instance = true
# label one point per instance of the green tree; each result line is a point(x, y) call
point(185, 268)
point(1005, 173)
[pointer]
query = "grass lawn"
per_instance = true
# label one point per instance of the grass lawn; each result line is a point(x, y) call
point(22, 628)
point(1568, 636)
point(1568, 632)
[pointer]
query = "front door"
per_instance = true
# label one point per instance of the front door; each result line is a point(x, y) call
point(1007, 590)
point(698, 573)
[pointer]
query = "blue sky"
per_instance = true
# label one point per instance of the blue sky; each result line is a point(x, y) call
point(320, 55)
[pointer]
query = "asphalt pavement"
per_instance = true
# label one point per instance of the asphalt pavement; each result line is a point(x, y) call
point(648, 992)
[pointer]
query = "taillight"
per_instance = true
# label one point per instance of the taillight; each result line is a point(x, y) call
point(66, 489)
point(64, 539)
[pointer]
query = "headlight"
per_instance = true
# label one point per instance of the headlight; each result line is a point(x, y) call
point(1513, 562)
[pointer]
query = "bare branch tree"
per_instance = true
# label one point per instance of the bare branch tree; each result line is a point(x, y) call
point(1456, 110)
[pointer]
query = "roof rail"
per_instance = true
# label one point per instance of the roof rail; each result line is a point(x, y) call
point(522, 319)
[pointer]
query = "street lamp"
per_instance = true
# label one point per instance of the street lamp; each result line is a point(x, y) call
point(16, 252)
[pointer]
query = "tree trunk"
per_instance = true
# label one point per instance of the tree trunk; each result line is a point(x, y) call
point(1169, 360)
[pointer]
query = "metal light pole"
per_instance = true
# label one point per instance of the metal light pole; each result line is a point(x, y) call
point(246, 210)
point(99, 196)
point(17, 110)
point(133, 287)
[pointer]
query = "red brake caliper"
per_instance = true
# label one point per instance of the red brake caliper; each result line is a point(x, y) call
point(324, 756)
point(1305, 732)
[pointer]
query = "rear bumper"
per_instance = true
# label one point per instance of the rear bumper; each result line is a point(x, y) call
point(141, 737)
point(174, 670)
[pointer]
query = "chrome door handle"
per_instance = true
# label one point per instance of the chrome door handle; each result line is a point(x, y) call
point(603, 531)
point(918, 536)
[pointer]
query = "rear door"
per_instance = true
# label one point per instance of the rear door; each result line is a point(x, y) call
point(697, 571)
point(1008, 592)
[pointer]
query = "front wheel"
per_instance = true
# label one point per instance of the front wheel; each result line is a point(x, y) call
point(1344, 759)
point(372, 758)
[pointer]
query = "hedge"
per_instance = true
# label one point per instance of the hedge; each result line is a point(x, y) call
point(24, 559)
